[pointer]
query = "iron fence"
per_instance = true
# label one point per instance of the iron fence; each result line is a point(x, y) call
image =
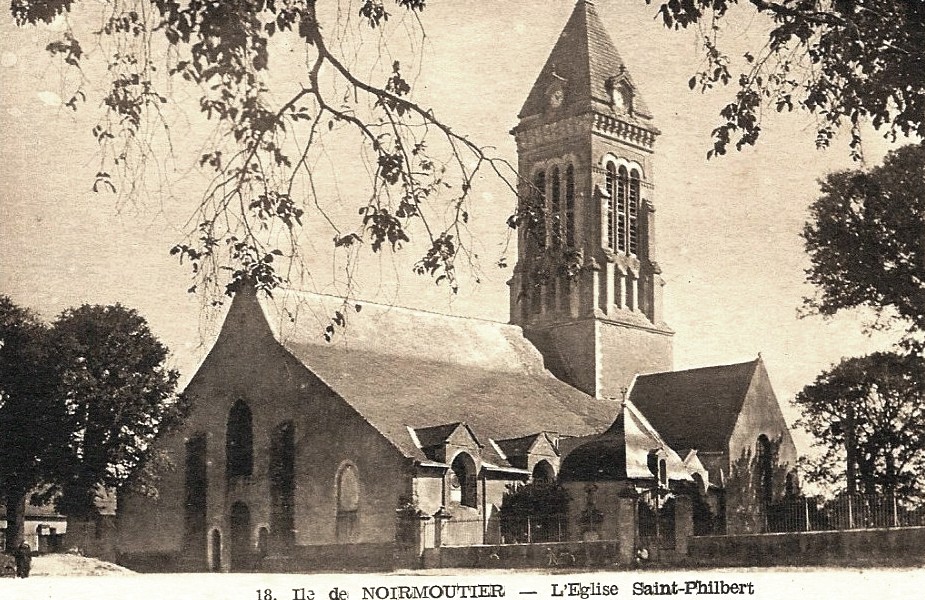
point(844, 512)
point(474, 532)
point(526, 530)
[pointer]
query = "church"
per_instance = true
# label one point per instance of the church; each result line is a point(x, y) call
point(299, 450)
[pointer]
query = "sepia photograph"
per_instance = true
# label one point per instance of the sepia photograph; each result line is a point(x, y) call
point(433, 299)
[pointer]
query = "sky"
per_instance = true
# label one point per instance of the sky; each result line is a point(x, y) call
point(728, 228)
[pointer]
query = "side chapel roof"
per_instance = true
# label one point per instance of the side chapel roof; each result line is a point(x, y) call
point(622, 452)
point(401, 368)
point(696, 408)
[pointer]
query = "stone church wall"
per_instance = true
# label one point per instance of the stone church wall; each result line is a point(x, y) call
point(760, 415)
point(248, 364)
point(627, 351)
point(568, 352)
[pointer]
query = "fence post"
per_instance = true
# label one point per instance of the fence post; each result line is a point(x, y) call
point(895, 512)
point(529, 531)
point(850, 499)
point(440, 518)
point(559, 528)
point(809, 526)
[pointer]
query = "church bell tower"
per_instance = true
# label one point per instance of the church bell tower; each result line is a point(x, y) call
point(586, 289)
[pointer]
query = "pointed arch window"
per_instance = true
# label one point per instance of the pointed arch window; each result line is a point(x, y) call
point(544, 473)
point(282, 484)
point(539, 209)
point(463, 481)
point(555, 209)
point(536, 235)
point(570, 206)
point(611, 184)
point(765, 465)
point(622, 192)
point(196, 488)
point(633, 212)
point(239, 441)
point(623, 187)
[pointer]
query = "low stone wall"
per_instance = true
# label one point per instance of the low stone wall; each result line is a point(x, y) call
point(304, 559)
point(537, 555)
point(151, 562)
point(903, 546)
point(342, 557)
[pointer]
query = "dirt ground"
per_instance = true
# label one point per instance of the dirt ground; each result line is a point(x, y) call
point(57, 565)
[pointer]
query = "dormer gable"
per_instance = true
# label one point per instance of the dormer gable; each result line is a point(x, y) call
point(440, 442)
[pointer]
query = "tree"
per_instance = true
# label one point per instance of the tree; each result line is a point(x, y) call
point(263, 161)
point(30, 419)
point(871, 408)
point(866, 240)
point(119, 396)
point(846, 61)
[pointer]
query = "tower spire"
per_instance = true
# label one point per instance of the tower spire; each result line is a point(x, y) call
point(587, 61)
point(586, 288)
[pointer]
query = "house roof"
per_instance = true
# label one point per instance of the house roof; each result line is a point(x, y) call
point(583, 59)
point(696, 408)
point(401, 368)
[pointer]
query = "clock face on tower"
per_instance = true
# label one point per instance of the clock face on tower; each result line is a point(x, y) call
point(621, 98)
point(556, 96)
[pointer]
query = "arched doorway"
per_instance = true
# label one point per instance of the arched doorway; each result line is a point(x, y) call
point(240, 525)
point(348, 504)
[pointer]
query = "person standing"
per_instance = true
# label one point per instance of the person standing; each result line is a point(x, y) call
point(23, 560)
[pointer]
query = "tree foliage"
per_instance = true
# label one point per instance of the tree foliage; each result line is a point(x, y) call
point(845, 61)
point(118, 395)
point(29, 414)
point(266, 146)
point(534, 500)
point(880, 399)
point(866, 239)
point(758, 483)
point(534, 511)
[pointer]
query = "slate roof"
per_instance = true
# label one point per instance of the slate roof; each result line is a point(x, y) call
point(435, 436)
point(401, 368)
point(585, 58)
point(696, 408)
point(622, 452)
point(519, 446)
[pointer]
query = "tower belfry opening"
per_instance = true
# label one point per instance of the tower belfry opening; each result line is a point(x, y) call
point(587, 289)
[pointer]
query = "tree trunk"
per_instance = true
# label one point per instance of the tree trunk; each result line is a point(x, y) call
point(15, 518)
point(851, 451)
